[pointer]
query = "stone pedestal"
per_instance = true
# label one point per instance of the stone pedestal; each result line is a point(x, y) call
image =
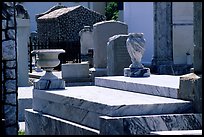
point(52, 84)
point(135, 46)
point(136, 72)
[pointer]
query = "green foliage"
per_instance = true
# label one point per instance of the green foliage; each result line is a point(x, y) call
point(21, 132)
point(111, 11)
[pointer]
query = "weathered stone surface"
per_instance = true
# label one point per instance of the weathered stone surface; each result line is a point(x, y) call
point(11, 99)
point(11, 33)
point(10, 73)
point(10, 85)
point(117, 55)
point(186, 87)
point(86, 39)
point(3, 24)
point(65, 23)
point(198, 95)
point(197, 37)
point(48, 125)
point(84, 104)
point(11, 130)
point(102, 31)
point(52, 84)
point(25, 97)
point(8, 50)
point(144, 125)
point(9, 104)
point(11, 22)
point(3, 35)
point(160, 85)
point(75, 70)
point(163, 48)
point(191, 89)
point(11, 64)
point(10, 115)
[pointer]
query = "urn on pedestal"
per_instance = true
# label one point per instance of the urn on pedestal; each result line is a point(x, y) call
point(47, 60)
point(136, 46)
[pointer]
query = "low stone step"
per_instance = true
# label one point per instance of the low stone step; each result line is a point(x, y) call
point(159, 85)
point(25, 95)
point(84, 104)
point(151, 124)
point(43, 124)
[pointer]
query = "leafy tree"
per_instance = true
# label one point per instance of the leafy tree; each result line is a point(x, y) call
point(111, 11)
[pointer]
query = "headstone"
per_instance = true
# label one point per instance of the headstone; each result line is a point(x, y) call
point(136, 45)
point(102, 31)
point(75, 70)
point(86, 39)
point(117, 55)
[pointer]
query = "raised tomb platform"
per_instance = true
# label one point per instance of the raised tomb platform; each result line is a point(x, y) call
point(104, 108)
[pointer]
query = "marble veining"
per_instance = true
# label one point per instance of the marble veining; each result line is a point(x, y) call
point(160, 85)
point(85, 104)
point(143, 125)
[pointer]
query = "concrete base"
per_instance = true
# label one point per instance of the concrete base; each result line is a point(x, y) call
point(159, 85)
point(25, 96)
point(43, 124)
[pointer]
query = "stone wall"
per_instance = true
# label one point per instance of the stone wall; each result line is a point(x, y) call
point(9, 70)
point(66, 27)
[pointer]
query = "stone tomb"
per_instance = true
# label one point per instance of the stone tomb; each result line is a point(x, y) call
point(83, 107)
point(102, 31)
point(117, 55)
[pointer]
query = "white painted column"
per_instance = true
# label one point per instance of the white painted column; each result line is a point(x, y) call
point(23, 32)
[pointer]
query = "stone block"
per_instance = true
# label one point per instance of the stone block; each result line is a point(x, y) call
point(86, 39)
point(191, 89)
point(117, 55)
point(159, 85)
point(42, 124)
point(10, 115)
point(10, 85)
point(75, 70)
point(102, 31)
point(144, 125)
point(25, 96)
point(84, 104)
point(8, 50)
point(186, 87)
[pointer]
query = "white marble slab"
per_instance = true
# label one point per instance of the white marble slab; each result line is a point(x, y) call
point(147, 124)
point(42, 124)
point(84, 104)
point(178, 132)
point(160, 85)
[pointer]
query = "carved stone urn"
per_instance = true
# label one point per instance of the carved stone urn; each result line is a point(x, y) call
point(136, 46)
point(47, 60)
